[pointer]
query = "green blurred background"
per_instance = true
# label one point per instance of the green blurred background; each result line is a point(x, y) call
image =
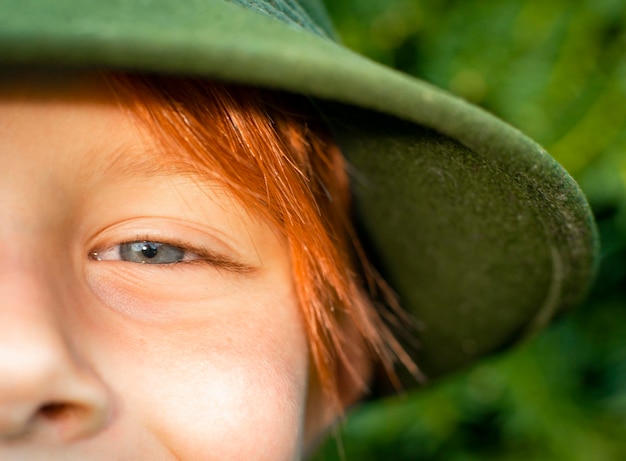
point(556, 69)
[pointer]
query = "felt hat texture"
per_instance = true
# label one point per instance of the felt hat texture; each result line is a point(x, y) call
point(480, 232)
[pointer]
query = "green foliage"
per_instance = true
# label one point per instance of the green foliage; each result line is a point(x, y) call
point(556, 69)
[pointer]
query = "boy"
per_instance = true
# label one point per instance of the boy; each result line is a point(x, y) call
point(194, 287)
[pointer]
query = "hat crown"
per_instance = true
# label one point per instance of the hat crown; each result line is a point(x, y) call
point(306, 14)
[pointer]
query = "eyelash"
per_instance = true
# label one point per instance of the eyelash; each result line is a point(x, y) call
point(202, 255)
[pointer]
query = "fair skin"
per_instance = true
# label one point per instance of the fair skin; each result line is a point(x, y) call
point(105, 357)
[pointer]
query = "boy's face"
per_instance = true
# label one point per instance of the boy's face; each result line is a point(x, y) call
point(109, 348)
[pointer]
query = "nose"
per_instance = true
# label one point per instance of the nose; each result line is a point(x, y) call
point(47, 393)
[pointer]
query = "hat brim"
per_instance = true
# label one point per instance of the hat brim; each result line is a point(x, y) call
point(482, 234)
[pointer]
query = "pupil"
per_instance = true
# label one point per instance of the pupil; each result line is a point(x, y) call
point(149, 249)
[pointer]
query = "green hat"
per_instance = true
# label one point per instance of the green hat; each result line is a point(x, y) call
point(481, 233)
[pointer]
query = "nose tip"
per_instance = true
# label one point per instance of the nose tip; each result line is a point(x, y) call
point(48, 390)
point(46, 401)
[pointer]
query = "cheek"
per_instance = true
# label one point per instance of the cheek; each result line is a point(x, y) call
point(229, 387)
point(250, 411)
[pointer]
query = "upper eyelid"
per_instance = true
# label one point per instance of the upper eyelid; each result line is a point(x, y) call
point(165, 230)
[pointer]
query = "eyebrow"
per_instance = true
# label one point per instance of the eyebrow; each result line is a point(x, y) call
point(132, 161)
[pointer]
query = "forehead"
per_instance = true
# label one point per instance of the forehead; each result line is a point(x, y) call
point(78, 112)
point(65, 138)
point(60, 107)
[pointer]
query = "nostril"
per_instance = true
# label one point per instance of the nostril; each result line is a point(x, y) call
point(56, 419)
point(56, 411)
point(68, 418)
point(66, 421)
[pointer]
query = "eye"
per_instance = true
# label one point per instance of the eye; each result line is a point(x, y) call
point(145, 252)
point(159, 253)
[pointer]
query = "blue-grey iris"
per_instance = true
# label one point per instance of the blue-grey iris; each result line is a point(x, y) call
point(151, 253)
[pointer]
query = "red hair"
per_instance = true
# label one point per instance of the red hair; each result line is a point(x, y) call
point(281, 162)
